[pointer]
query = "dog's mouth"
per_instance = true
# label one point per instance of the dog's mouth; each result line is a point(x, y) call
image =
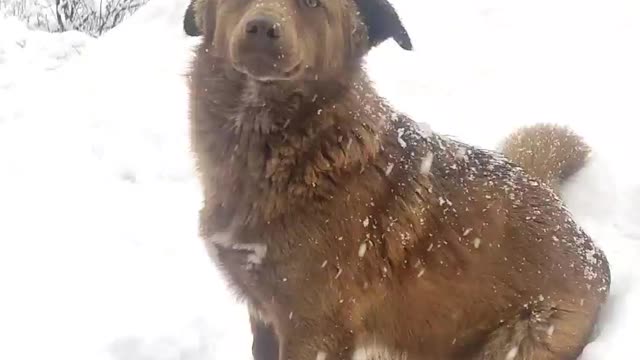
point(294, 71)
point(264, 69)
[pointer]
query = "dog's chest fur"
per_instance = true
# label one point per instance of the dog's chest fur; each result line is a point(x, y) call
point(277, 174)
point(318, 199)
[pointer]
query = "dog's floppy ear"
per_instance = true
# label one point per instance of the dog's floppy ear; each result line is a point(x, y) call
point(189, 23)
point(199, 18)
point(383, 22)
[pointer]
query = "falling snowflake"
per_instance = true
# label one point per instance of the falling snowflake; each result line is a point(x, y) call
point(427, 161)
point(550, 330)
point(512, 353)
point(362, 250)
point(389, 169)
point(401, 141)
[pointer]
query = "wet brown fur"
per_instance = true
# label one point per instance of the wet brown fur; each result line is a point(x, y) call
point(371, 231)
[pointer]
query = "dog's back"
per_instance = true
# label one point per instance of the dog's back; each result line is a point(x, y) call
point(499, 244)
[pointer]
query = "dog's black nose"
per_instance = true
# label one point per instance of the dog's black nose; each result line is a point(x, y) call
point(263, 28)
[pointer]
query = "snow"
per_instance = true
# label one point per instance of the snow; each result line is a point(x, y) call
point(376, 351)
point(512, 353)
point(362, 250)
point(425, 165)
point(256, 252)
point(99, 250)
point(401, 141)
point(389, 169)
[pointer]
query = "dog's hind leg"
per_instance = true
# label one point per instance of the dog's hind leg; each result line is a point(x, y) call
point(547, 334)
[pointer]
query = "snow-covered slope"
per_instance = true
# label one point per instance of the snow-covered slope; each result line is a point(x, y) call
point(99, 257)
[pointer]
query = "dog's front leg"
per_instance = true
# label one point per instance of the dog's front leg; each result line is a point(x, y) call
point(265, 341)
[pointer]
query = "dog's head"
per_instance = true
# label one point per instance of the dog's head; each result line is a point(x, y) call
point(292, 39)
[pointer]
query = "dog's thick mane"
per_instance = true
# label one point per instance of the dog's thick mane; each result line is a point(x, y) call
point(282, 140)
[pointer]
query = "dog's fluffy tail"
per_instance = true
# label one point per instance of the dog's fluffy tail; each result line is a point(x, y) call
point(550, 152)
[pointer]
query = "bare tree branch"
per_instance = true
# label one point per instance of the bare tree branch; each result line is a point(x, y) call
point(80, 15)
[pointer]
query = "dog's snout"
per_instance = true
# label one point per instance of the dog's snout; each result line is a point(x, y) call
point(263, 29)
point(264, 45)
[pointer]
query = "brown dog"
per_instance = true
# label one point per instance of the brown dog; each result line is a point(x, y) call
point(344, 227)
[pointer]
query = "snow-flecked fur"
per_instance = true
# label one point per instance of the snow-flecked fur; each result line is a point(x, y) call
point(373, 231)
point(553, 153)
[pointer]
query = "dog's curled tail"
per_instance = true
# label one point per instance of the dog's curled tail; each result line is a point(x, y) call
point(552, 153)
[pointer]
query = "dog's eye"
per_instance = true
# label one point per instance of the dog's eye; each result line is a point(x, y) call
point(312, 3)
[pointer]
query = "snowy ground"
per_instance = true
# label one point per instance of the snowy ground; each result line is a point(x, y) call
point(99, 257)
